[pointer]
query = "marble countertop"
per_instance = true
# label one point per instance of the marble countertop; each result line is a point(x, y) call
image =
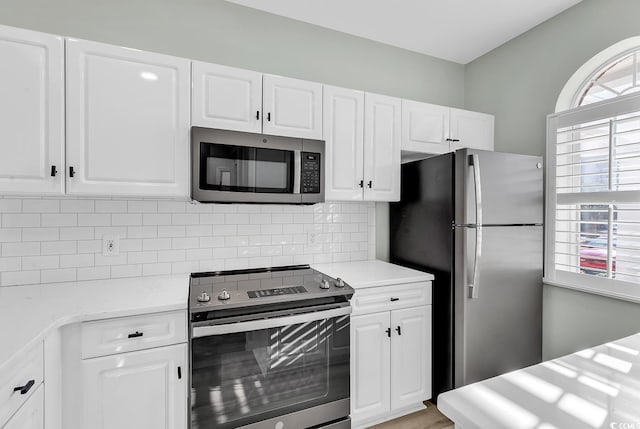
point(28, 313)
point(594, 388)
point(363, 274)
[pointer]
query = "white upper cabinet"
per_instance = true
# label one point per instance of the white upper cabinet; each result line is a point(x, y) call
point(31, 112)
point(128, 121)
point(343, 124)
point(382, 148)
point(226, 98)
point(471, 130)
point(292, 107)
point(425, 127)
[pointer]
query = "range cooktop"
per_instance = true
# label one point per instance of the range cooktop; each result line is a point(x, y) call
point(239, 288)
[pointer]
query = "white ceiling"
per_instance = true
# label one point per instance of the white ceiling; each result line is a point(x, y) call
point(455, 30)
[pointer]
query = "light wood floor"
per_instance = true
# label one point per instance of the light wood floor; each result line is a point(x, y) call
point(430, 418)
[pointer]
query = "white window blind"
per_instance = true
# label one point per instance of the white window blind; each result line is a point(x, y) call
point(593, 197)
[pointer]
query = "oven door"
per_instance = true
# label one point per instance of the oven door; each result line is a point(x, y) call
point(292, 369)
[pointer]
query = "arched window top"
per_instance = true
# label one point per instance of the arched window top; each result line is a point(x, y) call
point(611, 73)
point(621, 76)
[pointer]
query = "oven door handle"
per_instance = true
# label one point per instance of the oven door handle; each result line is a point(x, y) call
point(276, 322)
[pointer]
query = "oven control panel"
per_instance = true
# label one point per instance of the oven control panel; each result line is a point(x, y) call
point(276, 292)
point(310, 180)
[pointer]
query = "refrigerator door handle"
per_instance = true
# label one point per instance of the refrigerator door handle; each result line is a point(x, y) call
point(474, 162)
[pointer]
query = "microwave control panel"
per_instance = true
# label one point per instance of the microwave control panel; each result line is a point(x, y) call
point(310, 180)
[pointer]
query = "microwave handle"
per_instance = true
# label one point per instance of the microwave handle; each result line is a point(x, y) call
point(297, 169)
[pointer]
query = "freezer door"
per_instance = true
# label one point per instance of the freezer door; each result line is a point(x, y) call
point(505, 187)
point(500, 328)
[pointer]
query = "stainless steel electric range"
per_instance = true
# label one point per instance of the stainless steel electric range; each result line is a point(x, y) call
point(269, 349)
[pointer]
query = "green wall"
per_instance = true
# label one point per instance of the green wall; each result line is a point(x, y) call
point(519, 82)
point(226, 33)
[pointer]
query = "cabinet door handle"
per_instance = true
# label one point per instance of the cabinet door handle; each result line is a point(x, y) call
point(398, 330)
point(54, 171)
point(395, 299)
point(25, 389)
point(258, 115)
point(136, 334)
point(179, 373)
point(362, 183)
point(388, 331)
point(269, 116)
point(71, 172)
point(449, 140)
point(455, 140)
point(370, 184)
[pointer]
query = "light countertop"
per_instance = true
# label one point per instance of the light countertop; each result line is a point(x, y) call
point(594, 388)
point(28, 313)
point(364, 274)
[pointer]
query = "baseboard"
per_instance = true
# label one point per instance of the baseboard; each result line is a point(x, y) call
point(363, 424)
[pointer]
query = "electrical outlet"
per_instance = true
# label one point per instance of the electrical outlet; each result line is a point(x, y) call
point(111, 245)
point(311, 238)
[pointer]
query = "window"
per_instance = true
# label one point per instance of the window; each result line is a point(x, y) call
point(593, 194)
point(619, 77)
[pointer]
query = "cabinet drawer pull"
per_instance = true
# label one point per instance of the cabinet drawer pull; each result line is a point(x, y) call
point(388, 331)
point(25, 389)
point(398, 330)
point(54, 171)
point(136, 334)
point(449, 140)
point(395, 299)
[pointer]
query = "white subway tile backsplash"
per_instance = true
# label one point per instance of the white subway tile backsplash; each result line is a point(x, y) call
point(94, 273)
point(93, 219)
point(59, 275)
point(40, 234)
point(40, 262)
point(55, 240)
point(77, 206)
point(20, 249)
point(58, 247)
point(15, 220)
point(41, 206)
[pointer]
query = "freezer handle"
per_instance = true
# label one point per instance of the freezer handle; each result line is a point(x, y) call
point(474, 163)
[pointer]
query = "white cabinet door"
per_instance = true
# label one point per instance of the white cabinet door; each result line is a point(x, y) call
point(425, 127)
point(31, 414)
point(370, 366)
point(226, 98)
point(292, 107)
point(471, 129)
point(410, 356)
point(127, 121)
point(382, 148)
point(343, 125)
point(138, 390)
point(31, 112)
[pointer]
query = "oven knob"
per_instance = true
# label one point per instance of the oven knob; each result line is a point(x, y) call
point(204, 297)
point(224, 295)
point(339, 282)
point(324, 284)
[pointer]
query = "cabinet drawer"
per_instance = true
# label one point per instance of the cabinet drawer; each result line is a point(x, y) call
point(125, 334)
point(31, 415)
point(391, 297)
point(24, 371)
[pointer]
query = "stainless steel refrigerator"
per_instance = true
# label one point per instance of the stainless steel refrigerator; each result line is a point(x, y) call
point(474, 219)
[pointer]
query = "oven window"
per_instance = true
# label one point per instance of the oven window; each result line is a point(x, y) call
point(243, 378)
point(245, 169)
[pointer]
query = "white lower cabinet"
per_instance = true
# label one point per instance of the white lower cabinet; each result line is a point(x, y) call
point(390, 362)
point(140, 390)
point(31, 415)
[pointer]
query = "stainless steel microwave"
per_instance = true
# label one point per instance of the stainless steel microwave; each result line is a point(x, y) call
point(231, 166)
